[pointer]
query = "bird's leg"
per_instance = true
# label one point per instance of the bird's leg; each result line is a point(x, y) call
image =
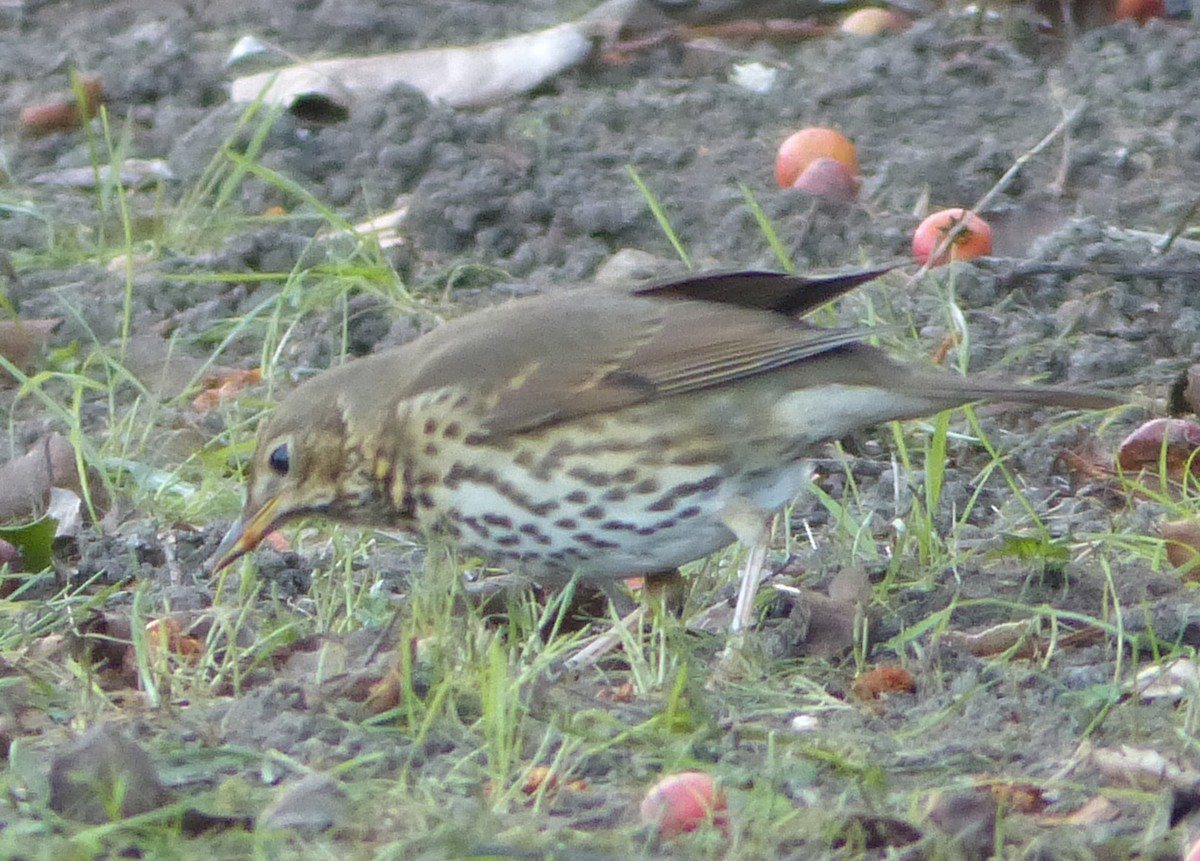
point(752, 526)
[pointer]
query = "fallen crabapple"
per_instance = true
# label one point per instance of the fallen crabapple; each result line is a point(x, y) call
point(1140, 11)
point(873, 21)
point(1171, 442)
point(975, 239)
point(806, 146)
point(828, 178)
point(681, 803)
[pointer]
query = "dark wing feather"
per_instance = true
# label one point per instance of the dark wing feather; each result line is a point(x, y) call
point(794, 295)
point(575, 353)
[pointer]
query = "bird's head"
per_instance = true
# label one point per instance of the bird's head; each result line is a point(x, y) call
point(312, 458)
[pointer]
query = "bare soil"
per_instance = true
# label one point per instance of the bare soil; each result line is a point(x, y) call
point(534, 194)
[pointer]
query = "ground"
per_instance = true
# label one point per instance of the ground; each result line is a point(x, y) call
point(238, 261)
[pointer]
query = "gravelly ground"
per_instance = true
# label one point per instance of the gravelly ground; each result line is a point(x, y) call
point(534, 194)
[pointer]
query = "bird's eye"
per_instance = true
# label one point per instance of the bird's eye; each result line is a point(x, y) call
point(279, 460)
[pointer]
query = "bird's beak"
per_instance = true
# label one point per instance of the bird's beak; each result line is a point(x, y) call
point(245, 534)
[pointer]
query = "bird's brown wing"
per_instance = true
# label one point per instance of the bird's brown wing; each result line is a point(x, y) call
point(576, 353)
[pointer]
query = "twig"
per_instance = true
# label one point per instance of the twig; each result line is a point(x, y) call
point(1167, 241)
point(956, 230)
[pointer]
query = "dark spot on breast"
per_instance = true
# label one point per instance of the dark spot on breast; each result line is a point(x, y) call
point(649, 485)
point(541, 509)
point(477, 527)
point(590, 477)
point(625, 476)
point(617, 494)
point(690, 511)
point(592, 541)
point(424, 499)
point(695, 457)
point(509, 541)
point(566, 523)
point(431, 450)
point(453, 430)
point(618, 526)
point(710, 483)
point(475, 439)
point(498, 520)
point(430, 426)
point(524, 458)
point(592, 512)
point(577, 497)
point(455, 476)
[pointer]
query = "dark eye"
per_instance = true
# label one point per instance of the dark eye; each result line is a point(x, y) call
point(279, 460)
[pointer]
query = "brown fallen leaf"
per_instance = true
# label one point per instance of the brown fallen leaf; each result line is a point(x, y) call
point(1017, 796)
point(20, 341)
point(873, 684)
point(1182, 539)
point(222, 385)
point(969, 817)
point(160, 365)
point(171, 634)
point(623, 693)
point(1020, 640)
point(26, 481)
point(1094, 811)
point(103, 774)
point(64, 115)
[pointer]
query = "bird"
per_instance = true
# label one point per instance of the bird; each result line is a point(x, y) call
point(598, 432)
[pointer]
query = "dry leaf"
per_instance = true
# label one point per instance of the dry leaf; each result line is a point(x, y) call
point(623, 693)
point(224, 384)
point(883, 680)
point(1141, 767)
point(1173, 682)
point(1095, 811)
point(472, 76)
point(61, 116)
point(1018, 796)
point(133, 173)
point(969, 817)
point(26, 481)
point(1182, 538)
point(20, 340)
point(103, 772)
point(168, 633)
point(1020, 640)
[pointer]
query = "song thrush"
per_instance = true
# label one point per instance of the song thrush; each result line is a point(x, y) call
point(598, 433)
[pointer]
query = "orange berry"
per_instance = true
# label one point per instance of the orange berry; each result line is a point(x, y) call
point(871, 21)
point(975, 239)
point(806, 146)
point(828, 178)
point(1140, 10)
point(682, 802)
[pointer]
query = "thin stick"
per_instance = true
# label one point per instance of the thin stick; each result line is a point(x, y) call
point(955, 231)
